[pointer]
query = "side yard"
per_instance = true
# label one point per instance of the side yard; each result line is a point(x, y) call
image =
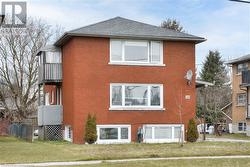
point(239, 136)
point(13, 150)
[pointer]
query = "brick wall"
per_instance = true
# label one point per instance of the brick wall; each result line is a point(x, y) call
point(4, 124)
point(87, 77)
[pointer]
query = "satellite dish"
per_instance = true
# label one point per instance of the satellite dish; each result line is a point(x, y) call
point(189, 76)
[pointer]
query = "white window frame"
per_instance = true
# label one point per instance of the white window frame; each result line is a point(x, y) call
point(113, 141)
point(244, 126)
point(148, 63)
point(148, 107)
point(153, 140)
point(245, 101)
point(66, 132)
point(239, 70)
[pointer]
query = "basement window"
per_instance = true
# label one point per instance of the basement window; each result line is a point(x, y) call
point(113, 134)
point(68, 133)
point(161, 133)
point(242, 126)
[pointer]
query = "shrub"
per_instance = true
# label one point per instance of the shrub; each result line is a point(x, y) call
point(192, 133)
point(90, 130)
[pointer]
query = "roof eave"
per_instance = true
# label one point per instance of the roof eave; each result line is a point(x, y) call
point(65, 37)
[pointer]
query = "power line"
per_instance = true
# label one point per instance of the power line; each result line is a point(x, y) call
point(240, 1)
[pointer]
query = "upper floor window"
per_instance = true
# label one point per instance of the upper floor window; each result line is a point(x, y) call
point(241, 99)
point(136, 52)
point(132, 96)
point(242, 67)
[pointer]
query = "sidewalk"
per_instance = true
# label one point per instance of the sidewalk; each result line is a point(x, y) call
point(226, 140)
point(121, 160)
point(214, 139)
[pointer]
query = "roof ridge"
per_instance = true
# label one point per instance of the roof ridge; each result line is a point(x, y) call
point(94, 24)
point(72, 31)
point(156, 26)
point(120, 26)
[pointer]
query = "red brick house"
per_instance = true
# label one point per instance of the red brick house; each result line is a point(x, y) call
point(129, 74)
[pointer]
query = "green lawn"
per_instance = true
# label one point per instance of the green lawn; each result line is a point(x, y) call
point(231, 136)
point(180, 163)
point(13, 150)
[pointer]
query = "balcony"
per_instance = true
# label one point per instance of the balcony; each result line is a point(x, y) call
point(248, 111)
point(245, 78)
point(50, 72)
point(50, 115)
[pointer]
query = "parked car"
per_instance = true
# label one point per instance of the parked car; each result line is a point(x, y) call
point(35, 133)
point(209, 128)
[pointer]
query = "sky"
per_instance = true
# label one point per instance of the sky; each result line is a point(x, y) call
point(225, 24)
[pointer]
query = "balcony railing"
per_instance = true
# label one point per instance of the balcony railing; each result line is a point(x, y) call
point(248, 111)
point(246, 78)
point(50, 72)
point(50, 115)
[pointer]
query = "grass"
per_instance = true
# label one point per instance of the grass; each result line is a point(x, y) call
point(244, 162)
point(231, 136)
point(13, 150)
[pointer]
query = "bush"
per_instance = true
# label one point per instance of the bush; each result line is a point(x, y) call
point(90, 130)
point(192, 133)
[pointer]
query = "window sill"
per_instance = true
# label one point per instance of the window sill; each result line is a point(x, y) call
point(135, 64)
point(136, 108)
point(240, 105)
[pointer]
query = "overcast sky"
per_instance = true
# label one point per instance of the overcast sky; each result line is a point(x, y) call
point(225, 24)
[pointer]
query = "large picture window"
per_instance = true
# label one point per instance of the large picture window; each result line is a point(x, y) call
point(136, 51)
point(136, 96)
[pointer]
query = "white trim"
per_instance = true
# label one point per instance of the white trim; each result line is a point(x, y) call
point(118, 108)
point(149, 62)
point(148, 107)
point(153, 140)
point(113, 141)
point(135, 64)
point(52, 97)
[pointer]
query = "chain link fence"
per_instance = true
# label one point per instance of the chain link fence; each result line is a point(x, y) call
point(24, 130)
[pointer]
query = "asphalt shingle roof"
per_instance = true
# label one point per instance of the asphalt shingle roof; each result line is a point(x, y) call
point(121, 28)
point(239, 59)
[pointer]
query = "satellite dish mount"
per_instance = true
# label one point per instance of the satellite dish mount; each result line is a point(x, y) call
point(189, 77)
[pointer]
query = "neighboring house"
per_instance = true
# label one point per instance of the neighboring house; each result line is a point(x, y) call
point(240, 86)
point(131, 75)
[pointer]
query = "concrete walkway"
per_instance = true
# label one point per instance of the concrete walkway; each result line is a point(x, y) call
point(121, 160)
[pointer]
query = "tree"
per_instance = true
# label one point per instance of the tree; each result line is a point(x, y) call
point(217, 96)
point(90, 130)
point(213, 69)
point(192, 133)
point(172, 24)
point(18, 67)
